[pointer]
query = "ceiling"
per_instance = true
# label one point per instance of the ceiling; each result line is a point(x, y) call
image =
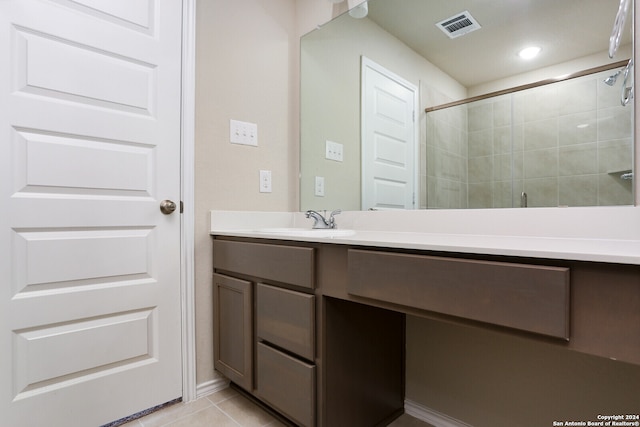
point(565, 29)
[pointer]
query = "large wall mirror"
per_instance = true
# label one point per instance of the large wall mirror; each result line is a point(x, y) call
point(427, 104)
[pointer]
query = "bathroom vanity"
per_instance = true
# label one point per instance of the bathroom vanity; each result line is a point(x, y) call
point(316, 360)
point(314, 326)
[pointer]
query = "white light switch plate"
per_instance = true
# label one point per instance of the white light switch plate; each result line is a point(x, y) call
point(265, 181)
point(243, 133)
point(333, 151)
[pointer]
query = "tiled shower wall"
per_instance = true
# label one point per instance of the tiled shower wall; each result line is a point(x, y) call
point(564, 144)
point(446, 159)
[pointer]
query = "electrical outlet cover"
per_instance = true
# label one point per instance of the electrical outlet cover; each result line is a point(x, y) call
point(319, 188)
point(265, 181)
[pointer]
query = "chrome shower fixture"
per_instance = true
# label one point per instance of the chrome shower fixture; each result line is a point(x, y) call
point(618, 27)
point(611, 80)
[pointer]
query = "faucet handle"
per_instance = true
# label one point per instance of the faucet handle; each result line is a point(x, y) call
point(332, 220)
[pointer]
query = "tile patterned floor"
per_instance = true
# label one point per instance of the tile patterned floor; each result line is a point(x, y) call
point(226, 408)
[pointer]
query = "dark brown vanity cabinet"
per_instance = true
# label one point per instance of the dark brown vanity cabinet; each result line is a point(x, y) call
point(318, 361)
point(589, 307)
point(265, 324)
point(316, 331)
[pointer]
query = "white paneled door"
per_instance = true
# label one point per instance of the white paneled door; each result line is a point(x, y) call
point(89, 265)
point(389, 139)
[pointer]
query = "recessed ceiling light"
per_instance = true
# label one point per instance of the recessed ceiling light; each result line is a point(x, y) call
point(529, 52)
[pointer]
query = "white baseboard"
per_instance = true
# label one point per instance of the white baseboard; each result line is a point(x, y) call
point(212, 386)
point(431, 416)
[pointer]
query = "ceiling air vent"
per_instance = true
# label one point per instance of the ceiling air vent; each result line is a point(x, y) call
point(458, 25)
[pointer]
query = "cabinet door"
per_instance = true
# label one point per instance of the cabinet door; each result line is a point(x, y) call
point(233, 338)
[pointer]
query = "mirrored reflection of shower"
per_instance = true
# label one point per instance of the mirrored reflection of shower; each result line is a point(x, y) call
point(561, 144)
point(626, 94)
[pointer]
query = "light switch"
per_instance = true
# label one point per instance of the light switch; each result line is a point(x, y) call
point(333, 151)
point(319, 189)
point(243, 133)
point(265, 181)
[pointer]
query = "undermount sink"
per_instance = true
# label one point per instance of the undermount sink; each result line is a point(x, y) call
point(308, 232)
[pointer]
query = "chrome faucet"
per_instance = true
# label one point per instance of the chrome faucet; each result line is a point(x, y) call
point(320, 221)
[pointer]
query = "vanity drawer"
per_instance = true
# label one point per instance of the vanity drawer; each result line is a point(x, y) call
point(286, 383)
point(286, 264)
point(286, 319)
point(533, 298)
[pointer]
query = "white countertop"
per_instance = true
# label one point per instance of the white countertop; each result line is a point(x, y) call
point(607, 234)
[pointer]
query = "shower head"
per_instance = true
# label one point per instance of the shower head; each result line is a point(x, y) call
point(611, 80)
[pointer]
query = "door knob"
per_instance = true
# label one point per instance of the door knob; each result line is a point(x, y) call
point(167, 207)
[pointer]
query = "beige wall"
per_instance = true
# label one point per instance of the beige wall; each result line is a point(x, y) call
point(246, 69)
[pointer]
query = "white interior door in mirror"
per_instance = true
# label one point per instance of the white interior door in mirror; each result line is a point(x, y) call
point(389, 139)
